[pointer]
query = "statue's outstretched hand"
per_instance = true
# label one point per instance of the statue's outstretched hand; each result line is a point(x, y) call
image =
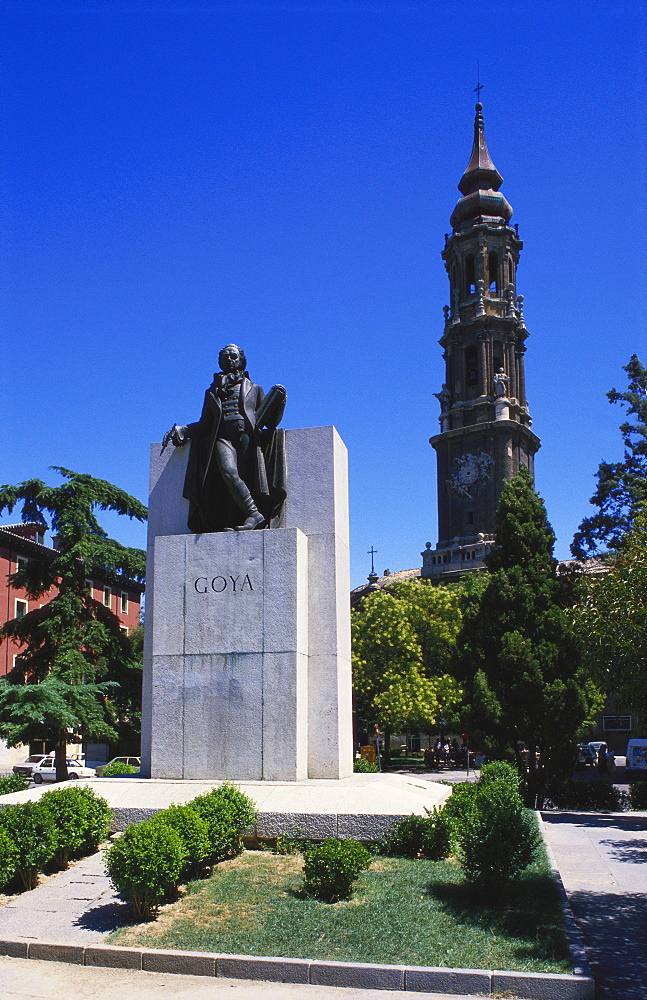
point(176, 435)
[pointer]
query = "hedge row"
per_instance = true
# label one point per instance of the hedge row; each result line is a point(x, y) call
point(151, 859)
point(61, 824)
point(599, 796)
point(485, 824)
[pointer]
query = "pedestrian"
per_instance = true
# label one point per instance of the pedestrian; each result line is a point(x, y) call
point(603, 763)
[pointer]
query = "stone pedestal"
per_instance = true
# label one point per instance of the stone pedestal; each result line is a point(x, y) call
point(247, 638)
point(502, 409)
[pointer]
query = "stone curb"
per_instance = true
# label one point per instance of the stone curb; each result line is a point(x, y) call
point(579, 957)
point(360, 975)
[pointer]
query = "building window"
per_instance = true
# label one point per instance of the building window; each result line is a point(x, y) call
point(21, 609)
point(470, 279)
point(21, 562)
point(493, 272)
point(107, 596)
point(124, 602)
point(90, 587)
point(616, 723)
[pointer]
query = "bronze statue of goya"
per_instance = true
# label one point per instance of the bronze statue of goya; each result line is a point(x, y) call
point(235, 477)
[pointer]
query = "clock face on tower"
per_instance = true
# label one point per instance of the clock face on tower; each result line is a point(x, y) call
point(470, 471)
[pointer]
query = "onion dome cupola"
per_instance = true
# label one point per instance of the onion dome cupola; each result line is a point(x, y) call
point(480, 184)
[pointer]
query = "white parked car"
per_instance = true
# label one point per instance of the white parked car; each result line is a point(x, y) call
point(46, 771)
point(27, 766)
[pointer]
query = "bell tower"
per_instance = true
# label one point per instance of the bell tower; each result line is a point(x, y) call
point(485, 433)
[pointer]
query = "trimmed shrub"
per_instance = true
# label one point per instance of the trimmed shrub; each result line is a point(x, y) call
point(499, 770)
point(194, 833)
point(13, 783)
point(457, 810)
point(586, 796)
point(31, 828)
point(331, 867)
point(239, 806)
point(638, 795)
point(8, 857)
point(362, 766)
point(97, 819)
point(500, 837)
point(68, 810)
point(118, 768)
point(420, 837)
point(145, 864)
point(227, 812)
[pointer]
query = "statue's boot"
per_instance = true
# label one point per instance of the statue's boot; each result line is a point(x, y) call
point(244, 500)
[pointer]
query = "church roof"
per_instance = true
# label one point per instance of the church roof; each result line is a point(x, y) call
point(378, 582)
point(480, 184)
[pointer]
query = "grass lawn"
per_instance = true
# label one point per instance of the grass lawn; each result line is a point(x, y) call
point(402, 912)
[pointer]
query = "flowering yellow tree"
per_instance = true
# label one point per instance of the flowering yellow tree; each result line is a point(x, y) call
point(402, 642)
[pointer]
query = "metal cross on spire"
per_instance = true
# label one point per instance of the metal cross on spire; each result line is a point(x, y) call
point(372, 552)
point(479, 86)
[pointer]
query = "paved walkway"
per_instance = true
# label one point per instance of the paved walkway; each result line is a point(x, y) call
point(76, 905)
point(602, 859)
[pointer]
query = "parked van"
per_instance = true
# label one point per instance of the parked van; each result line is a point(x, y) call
point(637, 756)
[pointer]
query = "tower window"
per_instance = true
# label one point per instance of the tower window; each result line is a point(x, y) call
point(493, 272)
point(510, 271)
point(470, 278)
point(470, 366)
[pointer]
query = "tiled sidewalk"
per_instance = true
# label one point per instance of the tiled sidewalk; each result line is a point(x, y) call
point(76, 905)
point(602, 859)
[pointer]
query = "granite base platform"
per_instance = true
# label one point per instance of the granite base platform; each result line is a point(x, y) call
point(364, 806)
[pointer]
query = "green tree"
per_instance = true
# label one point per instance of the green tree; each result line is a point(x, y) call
point(76, 671)
point(610, 618)
point(435, 614)
point(518, 657)
point(402, 641)
point(621, 486)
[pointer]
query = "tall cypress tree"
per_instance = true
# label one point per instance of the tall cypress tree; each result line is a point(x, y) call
point(74, 658)
point(518, 658)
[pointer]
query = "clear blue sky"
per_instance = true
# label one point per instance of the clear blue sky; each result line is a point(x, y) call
point(178, 175)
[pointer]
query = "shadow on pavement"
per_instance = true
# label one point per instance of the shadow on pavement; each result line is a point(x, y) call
point(613, 931)
point(105, 918)
point(627, 850)
point(616, 820)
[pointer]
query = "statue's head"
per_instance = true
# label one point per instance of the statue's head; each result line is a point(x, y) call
point(232, 358)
